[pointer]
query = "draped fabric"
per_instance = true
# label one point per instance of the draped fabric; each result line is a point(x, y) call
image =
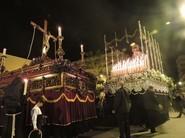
point(148, 109)
point(137, 112)
point(64, 108)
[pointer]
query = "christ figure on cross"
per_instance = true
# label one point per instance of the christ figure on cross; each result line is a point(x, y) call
point(46, 44)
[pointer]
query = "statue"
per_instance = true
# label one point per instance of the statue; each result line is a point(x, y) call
point(46, 44)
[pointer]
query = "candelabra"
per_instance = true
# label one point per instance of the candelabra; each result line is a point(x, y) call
point(60, 51)
point(82, 54)
point(82, 58)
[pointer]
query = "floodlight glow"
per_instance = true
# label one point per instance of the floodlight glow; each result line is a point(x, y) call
point(182, 10)
point(180, 83)
point(167, 23)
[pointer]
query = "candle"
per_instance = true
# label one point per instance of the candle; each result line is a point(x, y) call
point(59, 31)
point(4, 51)
point(25, 86)
point(44, 50)
point(82, 48)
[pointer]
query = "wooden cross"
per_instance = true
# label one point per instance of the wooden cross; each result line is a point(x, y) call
point(46, 36)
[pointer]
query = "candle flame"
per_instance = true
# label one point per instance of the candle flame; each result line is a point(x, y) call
point(130, 65)
point(59, 31)
point(25, 80)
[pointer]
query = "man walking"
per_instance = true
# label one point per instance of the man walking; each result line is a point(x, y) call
point(121, 108)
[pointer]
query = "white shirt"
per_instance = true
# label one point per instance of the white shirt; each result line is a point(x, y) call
point(34, 113)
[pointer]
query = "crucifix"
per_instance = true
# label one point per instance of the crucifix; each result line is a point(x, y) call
point(46, 37)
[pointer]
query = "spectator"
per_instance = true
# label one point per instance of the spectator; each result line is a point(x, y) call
point(37, 117)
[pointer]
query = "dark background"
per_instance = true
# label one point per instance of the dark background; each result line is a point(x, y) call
point(86, 21)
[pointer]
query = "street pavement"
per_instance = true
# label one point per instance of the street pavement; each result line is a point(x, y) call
point(173, 128)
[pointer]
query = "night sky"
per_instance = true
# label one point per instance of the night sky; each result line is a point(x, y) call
point(86, 21)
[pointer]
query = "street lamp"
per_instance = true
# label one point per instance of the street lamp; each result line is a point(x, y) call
point(180, 83)
point(168, 22)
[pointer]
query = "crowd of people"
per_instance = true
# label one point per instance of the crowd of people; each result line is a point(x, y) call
point(148, 109)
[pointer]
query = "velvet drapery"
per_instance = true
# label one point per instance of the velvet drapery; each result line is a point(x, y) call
point(63, 107)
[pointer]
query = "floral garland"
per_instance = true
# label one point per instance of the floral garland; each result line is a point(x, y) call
point(142, 80)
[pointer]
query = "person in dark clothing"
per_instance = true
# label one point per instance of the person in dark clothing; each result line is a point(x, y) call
point(13, 108)
point(121, 108)
point(137, 111)
point(179, 104)
point(152, 108)
point(13, 95)
point(2, 114)
point(100, 104)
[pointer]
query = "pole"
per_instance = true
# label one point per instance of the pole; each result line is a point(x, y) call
point(141, 36)
point(159, 60)
point(147, 50)
point(150, 50)
point(157, 55)
point(112, 56)
point(154, 54)
point(106, 58)
point(116, 43)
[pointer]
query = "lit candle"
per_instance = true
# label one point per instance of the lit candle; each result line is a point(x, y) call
point(44, 50)
point(4, 51)
point(82, 48)
point(59, 31)
point(25, 86)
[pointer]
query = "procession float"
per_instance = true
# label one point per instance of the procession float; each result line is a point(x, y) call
point(67, 89)
point(138, 71)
